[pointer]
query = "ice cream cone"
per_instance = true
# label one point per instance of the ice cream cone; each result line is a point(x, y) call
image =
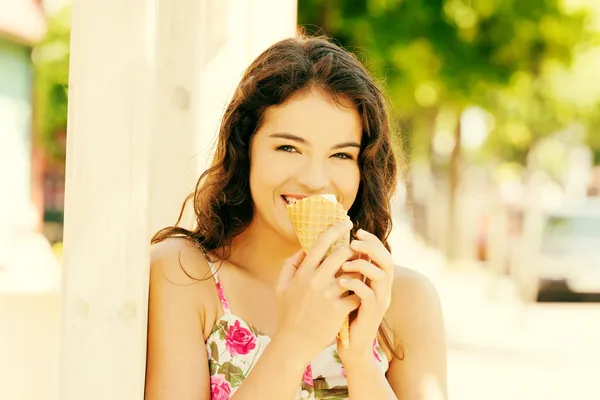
point(312, 216)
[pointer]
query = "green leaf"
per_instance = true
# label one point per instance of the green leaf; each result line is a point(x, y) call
point(335, 393)
point(233, 374)
point(223, 329)
point(320, 383)
point(254, 330)
point(336, 357)
point(308, 388)
point(214, 367)
point(214, 351)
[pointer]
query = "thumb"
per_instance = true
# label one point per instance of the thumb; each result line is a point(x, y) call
point(289, 269)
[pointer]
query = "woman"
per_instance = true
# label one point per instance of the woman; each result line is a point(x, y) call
point(237, 310)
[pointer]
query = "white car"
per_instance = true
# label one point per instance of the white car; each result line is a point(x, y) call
point(560, 253)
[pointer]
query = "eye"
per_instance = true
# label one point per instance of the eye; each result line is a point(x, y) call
point(343, 156)
point(287, 149)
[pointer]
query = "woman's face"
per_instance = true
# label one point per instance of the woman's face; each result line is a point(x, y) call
point(306, 146)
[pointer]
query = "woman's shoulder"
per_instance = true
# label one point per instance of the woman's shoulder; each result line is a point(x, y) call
point(176, 322)
point(179, 259)
point(415, 301)
point(409, 283)
point(181, 276)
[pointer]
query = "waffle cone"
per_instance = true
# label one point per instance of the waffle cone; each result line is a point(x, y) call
point(312, 216)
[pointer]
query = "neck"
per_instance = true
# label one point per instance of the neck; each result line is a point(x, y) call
point(261, 251)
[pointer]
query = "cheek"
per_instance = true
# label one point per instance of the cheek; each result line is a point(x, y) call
point(347, 182)
point(266, 174)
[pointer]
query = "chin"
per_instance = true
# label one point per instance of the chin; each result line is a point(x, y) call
point(285, 229)
point(277, 224)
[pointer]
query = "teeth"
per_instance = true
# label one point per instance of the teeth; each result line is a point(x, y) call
point(290, 200)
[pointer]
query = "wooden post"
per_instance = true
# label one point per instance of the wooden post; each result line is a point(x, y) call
point(105, 284)
point(149, 83)
point(180, 51)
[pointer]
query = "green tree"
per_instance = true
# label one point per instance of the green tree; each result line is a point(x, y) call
point(438, 55)
point(51, 63)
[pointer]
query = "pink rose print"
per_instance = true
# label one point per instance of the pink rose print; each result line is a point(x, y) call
point(375, 353)
point(239, 340)
point(307, 378)
point(222, 298)
point(219, 388)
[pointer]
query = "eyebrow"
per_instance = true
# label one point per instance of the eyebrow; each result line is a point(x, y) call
point(298, 139)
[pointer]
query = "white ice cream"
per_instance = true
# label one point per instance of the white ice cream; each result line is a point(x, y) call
point(330, 197)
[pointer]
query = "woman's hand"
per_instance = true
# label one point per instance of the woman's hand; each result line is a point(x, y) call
point(311, 302)
point(375, 293)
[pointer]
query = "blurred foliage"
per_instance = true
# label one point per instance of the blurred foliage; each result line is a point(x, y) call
point(436, 55)
point(593, 135)
point(57, 250)
point(51, 65)
point(435, 58)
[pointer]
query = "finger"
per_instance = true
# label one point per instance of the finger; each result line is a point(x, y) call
point(371, 271)
point(331, 264)
point(316, 254)
point(289, 269)
point(375, 252)
point(374, 297)
point(336, 291)
point(351, 275)
point(366, 294)
point(371, 246)
point(349, 303)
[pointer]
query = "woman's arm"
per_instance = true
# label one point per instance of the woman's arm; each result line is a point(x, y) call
point(417, 320)
point(177, 360)
point(365, 381)
point(415, 316)
point(276, 375)
point(306, 290)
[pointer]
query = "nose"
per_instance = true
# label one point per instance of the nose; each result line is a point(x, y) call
point(313, 176)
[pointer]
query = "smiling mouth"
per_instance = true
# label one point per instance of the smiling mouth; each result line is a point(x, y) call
point(291, 199)
point(294, 198)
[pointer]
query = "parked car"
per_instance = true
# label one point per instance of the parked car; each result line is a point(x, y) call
point(559, 253)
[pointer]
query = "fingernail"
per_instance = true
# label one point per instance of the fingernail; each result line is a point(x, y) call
point(343, 281)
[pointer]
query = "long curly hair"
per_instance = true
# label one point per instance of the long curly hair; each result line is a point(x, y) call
point(222, 203)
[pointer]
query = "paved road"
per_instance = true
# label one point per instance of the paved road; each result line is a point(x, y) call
point(545, 351)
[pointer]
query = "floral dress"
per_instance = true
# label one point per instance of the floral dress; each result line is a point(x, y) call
point(235, 346)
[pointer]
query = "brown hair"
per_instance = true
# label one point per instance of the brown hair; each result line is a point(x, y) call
point(222, 203)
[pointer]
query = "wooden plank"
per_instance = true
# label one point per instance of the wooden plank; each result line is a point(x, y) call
point(271, 21)
point(174, 168)
point(135, 127)
point(111, 108)
point(252, 26)
point(217, 32)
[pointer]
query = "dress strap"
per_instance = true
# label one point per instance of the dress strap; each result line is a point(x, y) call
point(220, 292)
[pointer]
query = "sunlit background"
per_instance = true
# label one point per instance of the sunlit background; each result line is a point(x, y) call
point(496, 107)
